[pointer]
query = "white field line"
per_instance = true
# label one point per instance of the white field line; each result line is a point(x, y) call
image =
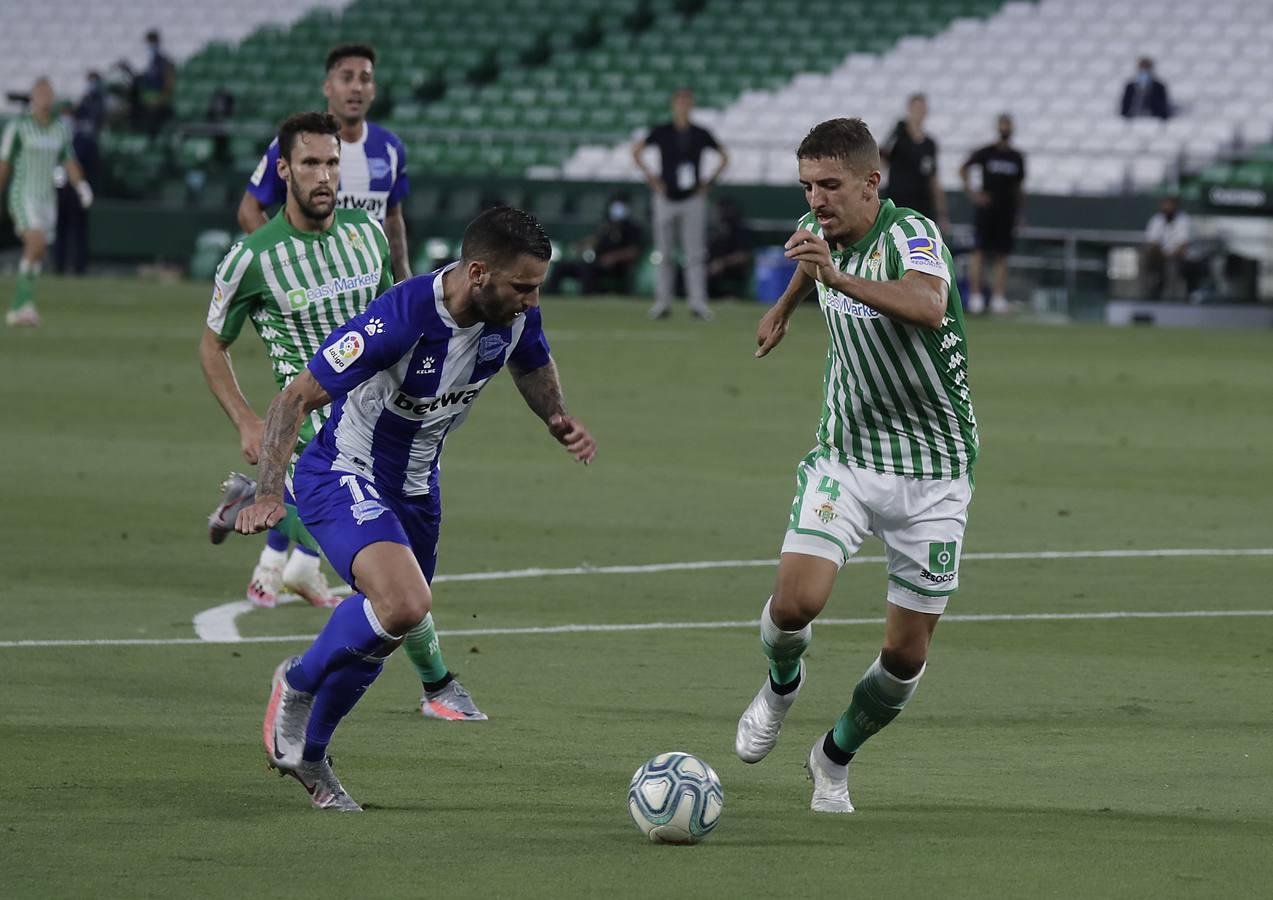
point(218, 625)
point(670, 626)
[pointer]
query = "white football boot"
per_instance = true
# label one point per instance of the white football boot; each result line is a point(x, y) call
point(830, 781)
point(286, 718)
point(303, 576)
point(762, 720)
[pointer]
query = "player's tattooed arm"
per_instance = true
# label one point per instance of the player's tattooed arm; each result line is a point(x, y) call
point(282, 425)
point(541, 389)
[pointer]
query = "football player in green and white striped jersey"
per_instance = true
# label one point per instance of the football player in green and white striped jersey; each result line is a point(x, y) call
point(895, 444)
point(31, 148)
point(300, 276)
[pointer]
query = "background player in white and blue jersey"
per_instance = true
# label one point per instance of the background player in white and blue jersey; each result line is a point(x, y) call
point(373, 177)
point(400, 377)
point(373, 161)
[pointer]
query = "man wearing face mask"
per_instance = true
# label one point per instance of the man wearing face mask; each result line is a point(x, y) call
point(609, 254)
point(998, 209)
point(1145, 95)
point(1165, 254)
point(155, 86)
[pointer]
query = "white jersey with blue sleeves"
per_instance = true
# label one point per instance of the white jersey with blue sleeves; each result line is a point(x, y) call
point(403, 375)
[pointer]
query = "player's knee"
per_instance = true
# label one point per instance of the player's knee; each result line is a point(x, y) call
point(903, 661)
point(405, 607)
point(793, 609)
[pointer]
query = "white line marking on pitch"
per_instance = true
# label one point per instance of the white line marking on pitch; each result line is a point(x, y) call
point(669, 626)
point(218, 625)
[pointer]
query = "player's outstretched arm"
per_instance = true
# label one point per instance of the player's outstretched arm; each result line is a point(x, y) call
point(541, 389)
point(218, 372)
point(773, 324)
point(282, 425)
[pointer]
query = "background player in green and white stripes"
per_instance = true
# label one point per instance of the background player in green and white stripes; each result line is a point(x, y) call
point(302, 274)
point(31, 148)
point(896, 443)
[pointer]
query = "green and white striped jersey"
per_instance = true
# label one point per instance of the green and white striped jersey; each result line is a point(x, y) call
point(897, 397)
point(298, 287)
point(34, 151)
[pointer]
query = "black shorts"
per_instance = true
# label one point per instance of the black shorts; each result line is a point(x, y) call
point(995, 230)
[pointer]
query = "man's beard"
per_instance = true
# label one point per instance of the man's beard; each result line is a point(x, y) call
point(312, 212)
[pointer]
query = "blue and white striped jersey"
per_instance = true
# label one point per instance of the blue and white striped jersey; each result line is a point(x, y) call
point(373, 174)
point(402, 375)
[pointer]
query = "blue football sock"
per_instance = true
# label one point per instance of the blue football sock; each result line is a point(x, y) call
point(277, 540)
point(340, 691)
point(352, 633)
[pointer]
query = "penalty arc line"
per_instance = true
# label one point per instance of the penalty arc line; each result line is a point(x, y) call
point(219, 625)
point(669, 626)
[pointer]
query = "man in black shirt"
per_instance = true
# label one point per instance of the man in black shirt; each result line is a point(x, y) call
point(998, 205)
point(680, 200)
point(911, 155)
point(609, 254)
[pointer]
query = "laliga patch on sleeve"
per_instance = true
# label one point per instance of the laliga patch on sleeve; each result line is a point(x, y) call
point(259, 172)
point(341, 355)
point(923, 253)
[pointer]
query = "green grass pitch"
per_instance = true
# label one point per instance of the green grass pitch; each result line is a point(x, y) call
point(1040, 758)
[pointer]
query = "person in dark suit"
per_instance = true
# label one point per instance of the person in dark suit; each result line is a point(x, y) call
point(1145, 95)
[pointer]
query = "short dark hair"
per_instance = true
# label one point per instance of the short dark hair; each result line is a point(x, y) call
point(152, 36)
point(304, 123)
point(848, 140)
point(503, 233)
point(344, 51)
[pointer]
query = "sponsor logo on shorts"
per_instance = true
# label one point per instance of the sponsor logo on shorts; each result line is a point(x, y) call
point(826, 512)
point(936, 579)
point(490, 347)
point(941, 557)
point(419, 407)
point(341, 355)
point(366, 510)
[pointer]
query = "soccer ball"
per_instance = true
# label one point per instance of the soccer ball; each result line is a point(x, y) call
point(675, 798)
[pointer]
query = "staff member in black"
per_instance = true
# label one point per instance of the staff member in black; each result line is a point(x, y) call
point(998, 205)
point(911, 155)
point(680, 199)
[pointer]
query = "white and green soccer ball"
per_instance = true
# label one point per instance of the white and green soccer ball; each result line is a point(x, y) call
point(675, 798)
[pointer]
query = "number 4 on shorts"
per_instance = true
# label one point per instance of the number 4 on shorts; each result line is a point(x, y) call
point(941, 557)
point(830, 487)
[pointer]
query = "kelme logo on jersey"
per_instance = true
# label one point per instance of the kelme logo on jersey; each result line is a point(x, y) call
point(341, 355)
point(941, 557)
point(419, 407)
point(303, 297)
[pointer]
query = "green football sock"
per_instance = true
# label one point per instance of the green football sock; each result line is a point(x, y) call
point(292, 526)
point(877, 700)
point(784, 648)
point(24, 293)
point(425, 654)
